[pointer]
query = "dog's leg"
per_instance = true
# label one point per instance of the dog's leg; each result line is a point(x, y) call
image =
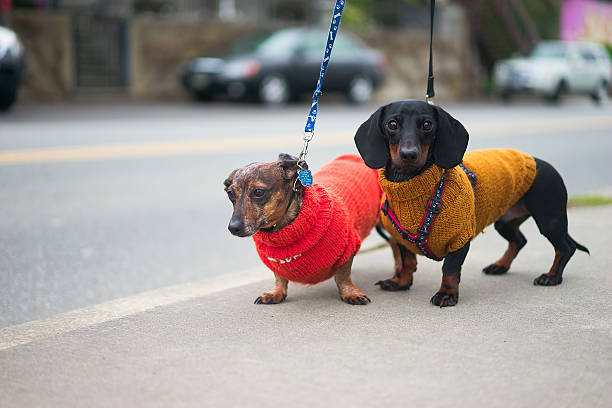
point(555, 230)
point(405, 266)
point(448, 295)
point(349, 292)
point(509, 229)
point(546, 200)
point(275, 295)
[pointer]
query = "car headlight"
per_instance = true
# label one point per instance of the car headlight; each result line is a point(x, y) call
point(241, 69)
point(9, 44)
point(501, 72)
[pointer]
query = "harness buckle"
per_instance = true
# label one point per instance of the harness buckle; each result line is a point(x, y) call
point(434, 206)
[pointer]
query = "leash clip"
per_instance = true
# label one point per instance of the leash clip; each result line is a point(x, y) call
point(308, 135)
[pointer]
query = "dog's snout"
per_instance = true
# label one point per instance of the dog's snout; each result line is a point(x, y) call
point(409, 154)
point(235, 226)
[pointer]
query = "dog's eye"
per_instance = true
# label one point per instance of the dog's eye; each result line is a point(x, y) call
point(259, 192)
point(392, 125)
point(231, 195)
point(427, 125)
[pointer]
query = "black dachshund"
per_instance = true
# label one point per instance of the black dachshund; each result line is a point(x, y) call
point(437, 200)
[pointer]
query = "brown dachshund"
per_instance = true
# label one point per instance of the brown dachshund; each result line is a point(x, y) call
point(306, 234)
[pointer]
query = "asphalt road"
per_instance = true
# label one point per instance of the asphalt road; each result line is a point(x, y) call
point(104, 201)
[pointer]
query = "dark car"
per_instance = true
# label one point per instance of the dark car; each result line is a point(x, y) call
point(285, 65)
point(11, 67)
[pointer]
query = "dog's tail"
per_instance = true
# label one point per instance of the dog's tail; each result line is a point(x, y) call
point(381, 231)
point(578, 246)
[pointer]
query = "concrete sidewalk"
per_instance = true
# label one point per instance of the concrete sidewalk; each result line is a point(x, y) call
point(506, 344)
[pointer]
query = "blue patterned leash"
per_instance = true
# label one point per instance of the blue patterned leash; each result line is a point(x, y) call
point(304, 175)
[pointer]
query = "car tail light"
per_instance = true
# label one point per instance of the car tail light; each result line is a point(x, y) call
point(381, 62)
point(251, 69)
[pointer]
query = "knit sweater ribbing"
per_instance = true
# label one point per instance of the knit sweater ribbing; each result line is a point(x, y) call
point(503, 177)
point(337, 213)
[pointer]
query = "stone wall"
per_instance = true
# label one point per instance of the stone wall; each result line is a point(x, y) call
point(456, 71)
point(47, 39)
point(160, 46)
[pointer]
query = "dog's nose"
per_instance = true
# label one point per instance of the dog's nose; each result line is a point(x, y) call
point(235, 226)
point(409, 154)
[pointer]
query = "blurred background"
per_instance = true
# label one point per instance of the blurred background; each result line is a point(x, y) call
point(141, 49)
point(121, 118)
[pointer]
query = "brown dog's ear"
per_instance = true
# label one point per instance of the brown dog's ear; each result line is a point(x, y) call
point(451, 140)
point(371, 142)
point(230, 179)
point(288, 165)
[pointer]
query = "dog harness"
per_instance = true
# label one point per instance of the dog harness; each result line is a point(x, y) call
point(433, 208)
point(338, 212)
point(448, 208)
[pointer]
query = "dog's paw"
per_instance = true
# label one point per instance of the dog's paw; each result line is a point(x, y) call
point(547, 280)
point(269, 298)
point(393, 286)
point(356, 299)
point(444, 299)
point(494, 269)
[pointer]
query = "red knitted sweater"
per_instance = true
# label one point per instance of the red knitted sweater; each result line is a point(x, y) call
point(338, 212)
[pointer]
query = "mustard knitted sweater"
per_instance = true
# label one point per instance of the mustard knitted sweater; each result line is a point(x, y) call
point(503, 177)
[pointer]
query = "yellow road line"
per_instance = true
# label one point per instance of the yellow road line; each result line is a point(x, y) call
point(171, 148)
point(245, 144)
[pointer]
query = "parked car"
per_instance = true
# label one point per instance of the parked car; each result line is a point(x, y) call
point(555, 68)
point(11, 67)
point(285, 65)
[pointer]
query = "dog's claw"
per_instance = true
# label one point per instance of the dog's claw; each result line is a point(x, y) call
point(363, 300)
point(268, 299)
point(443, 299)
point(392, 286)
point(356, 300)
point(547, 280)
point(495, 269)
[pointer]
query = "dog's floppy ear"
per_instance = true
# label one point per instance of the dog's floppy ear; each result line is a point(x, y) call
point(451, 140)
point(230, 179)
point(288, 165)
point(371, 142)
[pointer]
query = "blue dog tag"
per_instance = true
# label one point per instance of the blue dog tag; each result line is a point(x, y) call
point(305, 177)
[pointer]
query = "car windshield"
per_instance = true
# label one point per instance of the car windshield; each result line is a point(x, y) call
point(248, 44)
point(550, 50)
point(281, 42)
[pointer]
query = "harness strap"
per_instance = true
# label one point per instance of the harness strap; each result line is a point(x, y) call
point(432, 209)
point(471, 176)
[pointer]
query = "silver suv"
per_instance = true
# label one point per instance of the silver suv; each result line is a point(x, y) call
point(555, 68)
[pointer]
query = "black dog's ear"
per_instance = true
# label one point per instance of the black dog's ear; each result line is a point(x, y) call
point(371, 142)
point(288, 165)
point(451, 140)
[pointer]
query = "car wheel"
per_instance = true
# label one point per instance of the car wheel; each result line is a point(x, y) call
point(360, 90)
point(600, 94)
point(7, 98)
point(274, 90)
point(558, 93)
point(506, 95)
point(203, 96)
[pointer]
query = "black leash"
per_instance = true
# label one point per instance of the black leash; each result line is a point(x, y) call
point(429, 94)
